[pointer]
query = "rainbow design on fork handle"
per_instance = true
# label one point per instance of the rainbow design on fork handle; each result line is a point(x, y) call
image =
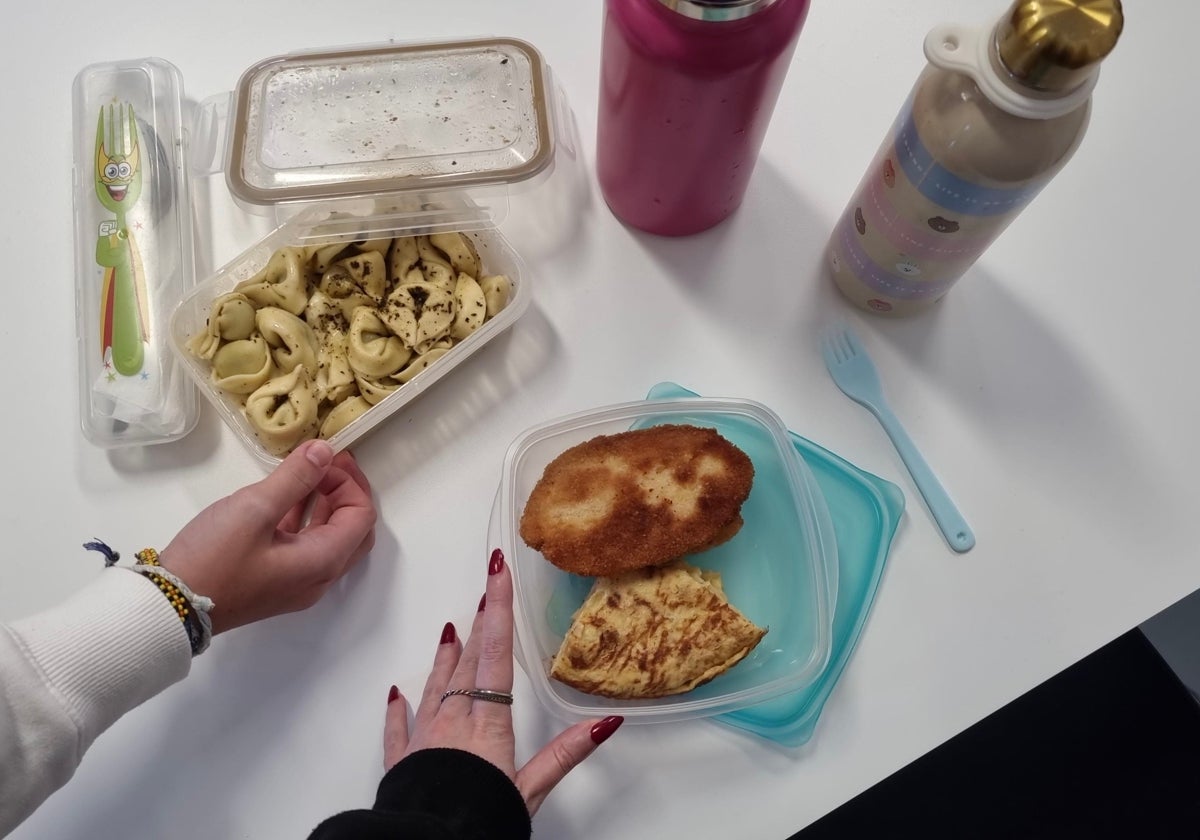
point(123, 315)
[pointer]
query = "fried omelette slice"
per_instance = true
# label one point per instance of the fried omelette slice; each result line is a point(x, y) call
point(652, 633)
point(639, 498)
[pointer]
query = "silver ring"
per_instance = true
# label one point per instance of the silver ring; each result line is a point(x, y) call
point(490, 696)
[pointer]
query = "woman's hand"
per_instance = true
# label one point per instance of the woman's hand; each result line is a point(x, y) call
point(253, 552)
point(484, 727)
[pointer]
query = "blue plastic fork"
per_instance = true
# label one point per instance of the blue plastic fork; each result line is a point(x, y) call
point(853, 371)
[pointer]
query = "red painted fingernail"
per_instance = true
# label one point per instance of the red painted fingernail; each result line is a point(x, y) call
point(496, 562)
point(482, 603)
point(447, 634)
point(394, 695)
point(603, 730)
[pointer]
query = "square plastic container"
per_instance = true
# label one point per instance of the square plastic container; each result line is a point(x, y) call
point(780, 570)
point(310, 228)
point(368, 143)
point(133, 248)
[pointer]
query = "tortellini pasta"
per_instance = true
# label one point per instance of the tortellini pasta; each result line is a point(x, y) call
point(402, 257)
point(233, 316)
point(420, 363)
point(430, 254)
point(460, 250)
point(324, 332)
point(375, 390)
point(322, 256)
point(284, 410)
point(339, 286)
point(496, 290)
point(283, 282)
point(292, 340)
point(239, 367)
point(419, 314)
point(368, 271)
point(373, 351)
point(435, 274)
point(470, 308)
point(335, 376)
point(380, 245)
point(343, 414)
point(230, 318)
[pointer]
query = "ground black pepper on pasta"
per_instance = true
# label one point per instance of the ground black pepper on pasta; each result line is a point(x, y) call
point(328, 330)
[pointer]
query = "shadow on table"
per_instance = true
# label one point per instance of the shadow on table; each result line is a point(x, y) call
point(577, 806)
point(781, 234)
point(1002, 364)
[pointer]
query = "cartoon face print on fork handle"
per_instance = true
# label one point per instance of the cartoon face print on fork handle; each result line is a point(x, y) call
point(118, 177)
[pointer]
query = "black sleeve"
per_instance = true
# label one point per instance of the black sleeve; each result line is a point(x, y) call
point(437, 794)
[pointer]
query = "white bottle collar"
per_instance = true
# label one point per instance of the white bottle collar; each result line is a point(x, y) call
point(963, 49)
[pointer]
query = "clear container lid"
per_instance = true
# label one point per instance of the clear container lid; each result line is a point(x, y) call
point(388, 120)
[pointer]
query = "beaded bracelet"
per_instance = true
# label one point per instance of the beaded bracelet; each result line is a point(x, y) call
point(191, 608)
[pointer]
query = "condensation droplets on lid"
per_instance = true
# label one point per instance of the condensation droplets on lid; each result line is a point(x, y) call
point(389, 119)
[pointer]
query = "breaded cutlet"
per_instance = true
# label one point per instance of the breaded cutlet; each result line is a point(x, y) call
point(636, 499)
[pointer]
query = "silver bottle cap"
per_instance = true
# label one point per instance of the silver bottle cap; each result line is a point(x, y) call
point(717, 10)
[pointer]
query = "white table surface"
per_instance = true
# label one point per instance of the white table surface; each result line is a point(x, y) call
point(1054, 390)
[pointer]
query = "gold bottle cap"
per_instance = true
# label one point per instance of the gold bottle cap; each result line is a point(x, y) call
point(1054, 45)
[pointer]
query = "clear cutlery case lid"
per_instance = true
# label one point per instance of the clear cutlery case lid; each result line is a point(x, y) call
point(133, 251)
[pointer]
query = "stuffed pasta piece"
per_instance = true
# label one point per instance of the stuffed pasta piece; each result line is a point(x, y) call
point(284, 411)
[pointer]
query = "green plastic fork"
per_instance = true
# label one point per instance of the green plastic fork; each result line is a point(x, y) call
point(853, 371)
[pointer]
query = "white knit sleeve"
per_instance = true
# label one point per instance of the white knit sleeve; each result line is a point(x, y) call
point(68, 673)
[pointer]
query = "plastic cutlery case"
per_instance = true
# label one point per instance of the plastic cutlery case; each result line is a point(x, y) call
point(133, 252)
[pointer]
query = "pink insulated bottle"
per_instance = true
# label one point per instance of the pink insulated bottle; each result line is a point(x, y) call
point(687, 88)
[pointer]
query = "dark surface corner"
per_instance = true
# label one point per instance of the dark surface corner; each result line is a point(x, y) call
point(1110, 747)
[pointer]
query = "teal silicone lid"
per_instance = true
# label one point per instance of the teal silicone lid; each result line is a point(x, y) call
point(865, 510)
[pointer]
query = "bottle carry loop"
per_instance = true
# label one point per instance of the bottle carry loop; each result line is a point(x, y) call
point(966, 50)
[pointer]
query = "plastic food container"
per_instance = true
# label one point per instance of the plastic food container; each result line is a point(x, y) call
point(189, 317)
point(133, 247)
point(780, 570)
point(347, 145)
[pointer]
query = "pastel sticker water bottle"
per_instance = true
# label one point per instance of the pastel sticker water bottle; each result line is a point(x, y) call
point(992, 119)
point(687, 88)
